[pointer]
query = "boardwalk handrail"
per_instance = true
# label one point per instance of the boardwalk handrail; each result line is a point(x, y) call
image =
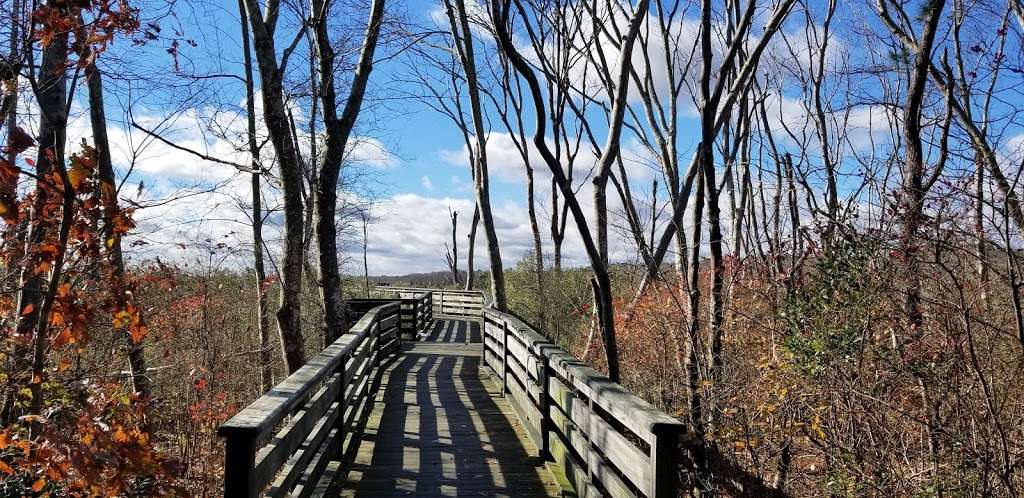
point(605, 439)
point(417, 311)
point(313, 411)
point(452, 302)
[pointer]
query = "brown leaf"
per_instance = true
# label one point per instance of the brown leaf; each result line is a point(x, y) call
point(18, 141)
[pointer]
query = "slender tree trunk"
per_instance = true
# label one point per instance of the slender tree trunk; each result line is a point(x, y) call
point(693, 343)
point(262, 306)
point(453, 253)
point(557, 235)
point(601, 216)
point(499, 11)
point(366, 264)
point(464, 43)
point(981, 264)
point(538, 249)
point(36, 290)
point(9, 74)
point(709, 115)
point(914, 192)
point(471, 250)
point(276, 120)
point(108, 190)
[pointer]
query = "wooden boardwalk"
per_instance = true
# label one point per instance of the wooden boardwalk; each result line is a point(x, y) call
point(441, 427)
point(434, 394)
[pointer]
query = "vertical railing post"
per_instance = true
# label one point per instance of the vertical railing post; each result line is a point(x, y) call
point(665, 460)
point(545, 402)
point(504, 356)
point(339, 423)
point(376, 344)
point(240, 466)
point(430, 308)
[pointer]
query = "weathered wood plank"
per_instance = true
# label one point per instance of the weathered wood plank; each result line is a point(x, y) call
point(441, 428)
point(295, 433)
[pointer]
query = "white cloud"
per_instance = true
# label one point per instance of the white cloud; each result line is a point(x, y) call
point(371, 152)
point(427, 184)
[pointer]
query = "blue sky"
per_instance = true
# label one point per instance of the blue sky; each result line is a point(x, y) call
point(417, 156)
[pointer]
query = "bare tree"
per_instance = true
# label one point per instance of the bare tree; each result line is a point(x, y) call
point(262, 305)
point(451, 255)
point(338, 130)
point(595, 248)
point(264, 26)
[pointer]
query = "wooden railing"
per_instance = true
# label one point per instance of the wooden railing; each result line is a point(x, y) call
point(459, 303)
point(417, 311)
point(282, 443)
point(605, 440)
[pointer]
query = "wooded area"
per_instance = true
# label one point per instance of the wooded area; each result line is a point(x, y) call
point(794, 225)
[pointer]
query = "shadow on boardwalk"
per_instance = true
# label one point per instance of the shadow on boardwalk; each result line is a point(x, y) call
point(441, 428)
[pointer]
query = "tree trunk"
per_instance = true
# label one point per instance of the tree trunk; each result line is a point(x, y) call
point(499, 11)
point(108, 191)
point(275, 118)
point(262, 306)
point(709, 115)
point(9, 114)
point(914, 192)
point(35, 296)
point(538, 249)
point(463, 35)
point(366, 264)
point(471, 250)
point(338, 131)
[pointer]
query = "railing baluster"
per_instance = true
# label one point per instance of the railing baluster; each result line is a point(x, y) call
point(504, 356)
point(545, 404)
point(339, 423)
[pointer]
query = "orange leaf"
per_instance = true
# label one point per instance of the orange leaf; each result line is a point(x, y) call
point(64, 337)
point(138, 332)
point(38, 485)
point(6, 468)
point(120, 436)
point(28, 309)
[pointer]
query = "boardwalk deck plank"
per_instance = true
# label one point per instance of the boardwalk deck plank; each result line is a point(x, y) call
point(440, 427)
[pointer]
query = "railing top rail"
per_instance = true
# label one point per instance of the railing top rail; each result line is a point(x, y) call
point(398, 288)
point(632, 411)
point(262, 416)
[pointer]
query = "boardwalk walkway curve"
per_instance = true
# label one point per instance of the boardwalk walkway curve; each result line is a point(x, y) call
point(433, 394)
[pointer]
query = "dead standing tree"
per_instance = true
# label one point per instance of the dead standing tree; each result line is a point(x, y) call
point(451, 255)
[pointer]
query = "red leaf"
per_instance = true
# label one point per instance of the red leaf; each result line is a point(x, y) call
point(28, 309)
